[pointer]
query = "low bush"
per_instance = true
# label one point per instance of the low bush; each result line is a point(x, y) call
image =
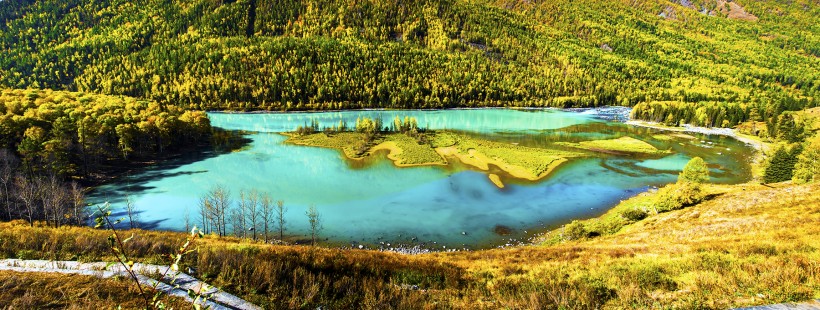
point(574, 231)
point(634, 214)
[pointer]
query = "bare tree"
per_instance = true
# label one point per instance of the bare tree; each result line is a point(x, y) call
point(266, 213)
point(315, 221)
point(217, 203)
point(28, 191)
point(54, 198)
point(238, 216)
point(132, 212)
point(8, 167)
point(186, 218)
point(79, 212)
point(280, 218)
point(252, 212)
point(205, 214)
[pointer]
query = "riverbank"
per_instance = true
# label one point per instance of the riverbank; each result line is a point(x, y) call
point(758, 159)
point(749, 140)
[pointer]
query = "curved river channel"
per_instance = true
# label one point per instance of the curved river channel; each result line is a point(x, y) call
point(377, 203)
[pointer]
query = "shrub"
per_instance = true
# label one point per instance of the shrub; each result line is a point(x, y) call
point(695, 172)
point(667, 199)
point(574, 231)
point(634, 214)
point(687, 191)
point(26, 254)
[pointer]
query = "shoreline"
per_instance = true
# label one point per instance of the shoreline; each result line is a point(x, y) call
point(573, 110)
point(758, 157)
point(728, 132)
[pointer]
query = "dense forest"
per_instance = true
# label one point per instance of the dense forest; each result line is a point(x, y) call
point(301, 55)
point(704, 62)
point(52, 141)
point(70, 134)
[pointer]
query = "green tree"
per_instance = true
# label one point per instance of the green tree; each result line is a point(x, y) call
point(32, 145)
point(788, 129)
point(780, 166)
point(807, 168)
point(695, 172)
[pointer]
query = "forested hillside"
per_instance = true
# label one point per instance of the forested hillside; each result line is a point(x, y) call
point(289, 55)
point(51, 139)
point(72, 134)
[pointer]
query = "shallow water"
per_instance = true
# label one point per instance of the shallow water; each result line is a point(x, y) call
point(451, 206)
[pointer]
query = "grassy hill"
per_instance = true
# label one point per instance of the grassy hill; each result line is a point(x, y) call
point(264, 54)
point(748, 245)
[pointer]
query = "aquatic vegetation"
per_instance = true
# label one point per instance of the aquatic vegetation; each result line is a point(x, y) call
point(622, 144)
point(407, 151)
point(518, 161)
point(663, 137)
point(350, 143)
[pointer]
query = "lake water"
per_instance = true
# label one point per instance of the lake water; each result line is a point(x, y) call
point(438, 206)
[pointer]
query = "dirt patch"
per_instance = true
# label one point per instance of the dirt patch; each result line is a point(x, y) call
point(732, 10)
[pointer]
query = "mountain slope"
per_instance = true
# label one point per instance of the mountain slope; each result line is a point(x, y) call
point(262, 54)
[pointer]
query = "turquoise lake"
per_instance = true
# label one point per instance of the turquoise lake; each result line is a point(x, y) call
point(438, 207)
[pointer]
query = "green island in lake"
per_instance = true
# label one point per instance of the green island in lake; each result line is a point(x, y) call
point(408, 147)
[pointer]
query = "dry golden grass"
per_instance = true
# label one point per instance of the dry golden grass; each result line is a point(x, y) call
point(751, 245)
point(748, 245)
point(275, 277)
point(29, 290)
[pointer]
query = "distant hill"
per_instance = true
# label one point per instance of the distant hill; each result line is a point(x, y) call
point(276, 55)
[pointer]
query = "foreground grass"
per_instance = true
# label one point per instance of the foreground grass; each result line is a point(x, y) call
point(29, 290)
point(274, 277)
point(748, 245)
